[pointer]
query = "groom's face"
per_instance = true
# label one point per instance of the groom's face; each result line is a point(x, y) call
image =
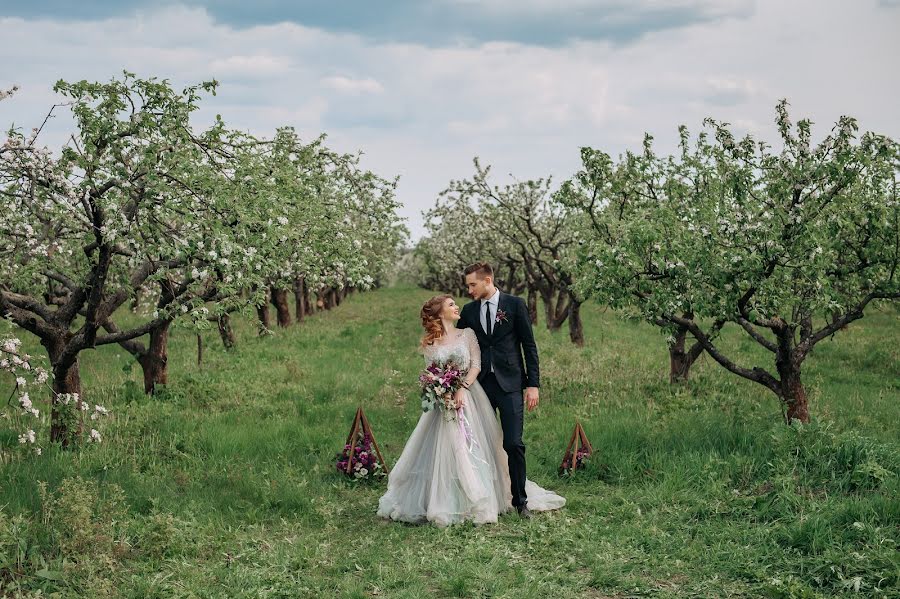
point(478, 288)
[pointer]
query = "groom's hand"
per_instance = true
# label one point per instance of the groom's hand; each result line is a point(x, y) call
point(531, 397)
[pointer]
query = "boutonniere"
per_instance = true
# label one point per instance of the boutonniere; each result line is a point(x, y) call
point(501, 317)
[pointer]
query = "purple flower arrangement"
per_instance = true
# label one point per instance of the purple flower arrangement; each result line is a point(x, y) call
point(364, 464)
point(581, 456)
point(440, 382)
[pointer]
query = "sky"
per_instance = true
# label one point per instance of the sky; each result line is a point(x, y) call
point(422, 87)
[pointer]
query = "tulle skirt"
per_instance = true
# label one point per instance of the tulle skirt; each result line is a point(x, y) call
point(456, 471)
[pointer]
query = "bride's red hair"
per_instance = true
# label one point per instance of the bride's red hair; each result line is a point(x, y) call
point(431, 319)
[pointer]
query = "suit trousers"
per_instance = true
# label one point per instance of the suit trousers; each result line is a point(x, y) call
point(511, 406)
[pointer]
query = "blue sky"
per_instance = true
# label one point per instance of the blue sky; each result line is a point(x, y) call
point(423, 87)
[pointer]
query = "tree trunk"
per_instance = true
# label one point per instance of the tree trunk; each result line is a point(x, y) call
point(793, 393)
point(283, 312)
point(300, 299)
point(310, 306)
point(797, 404)
point(66, 379)
point(681, 360)
point(225, 331)
point(576, 330)
point(265, 319)
point(788, 361)
point(155, 361)
point(556, 308)
point(679, 365)
point(549, 311)
point(532, 307)
point(329, 298)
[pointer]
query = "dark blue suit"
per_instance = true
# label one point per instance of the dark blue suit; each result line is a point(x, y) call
point(510, 341)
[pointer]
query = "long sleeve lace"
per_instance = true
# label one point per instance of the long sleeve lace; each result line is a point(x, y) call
point(474, 349)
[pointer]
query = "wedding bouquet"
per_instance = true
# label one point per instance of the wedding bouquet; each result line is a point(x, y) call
point(440, 381)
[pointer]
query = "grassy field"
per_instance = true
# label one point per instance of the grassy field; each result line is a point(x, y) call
point(224, 485)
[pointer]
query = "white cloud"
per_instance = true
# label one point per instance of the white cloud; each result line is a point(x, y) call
point(424, 112)
point(253, 66)
point(353, 86)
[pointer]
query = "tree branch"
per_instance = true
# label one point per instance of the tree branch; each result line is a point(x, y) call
point(27, 320)
point(748, 326)
point(756, 374)
point(61, 278)
point(855, 313)
point(27, 303)
point(135, 348)
point(131, 333)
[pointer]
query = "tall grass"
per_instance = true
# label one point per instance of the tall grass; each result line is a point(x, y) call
point(224, 484)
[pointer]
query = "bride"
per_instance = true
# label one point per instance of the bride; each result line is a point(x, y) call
point(455, 471)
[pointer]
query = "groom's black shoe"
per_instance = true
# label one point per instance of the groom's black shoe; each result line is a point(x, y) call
point(524, 512)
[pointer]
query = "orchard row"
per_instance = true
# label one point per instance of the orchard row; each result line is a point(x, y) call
point(140, 207)
point(789, 245)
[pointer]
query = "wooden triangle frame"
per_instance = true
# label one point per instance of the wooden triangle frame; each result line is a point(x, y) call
point(358, 430)
point(578, 441)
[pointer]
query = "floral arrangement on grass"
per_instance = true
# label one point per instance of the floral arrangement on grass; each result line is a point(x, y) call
point(440, 381)
point(581, 456)
point(363, 463)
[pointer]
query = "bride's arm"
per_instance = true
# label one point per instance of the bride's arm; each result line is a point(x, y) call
point(474, 357)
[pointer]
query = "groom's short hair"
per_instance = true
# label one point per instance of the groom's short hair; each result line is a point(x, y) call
point(481, 270)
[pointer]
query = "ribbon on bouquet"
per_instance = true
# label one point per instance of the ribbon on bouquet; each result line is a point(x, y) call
point(465, 430)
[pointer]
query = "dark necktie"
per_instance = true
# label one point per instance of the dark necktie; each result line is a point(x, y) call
point(487, 318)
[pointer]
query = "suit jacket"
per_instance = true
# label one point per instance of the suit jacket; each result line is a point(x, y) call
point(509, 340)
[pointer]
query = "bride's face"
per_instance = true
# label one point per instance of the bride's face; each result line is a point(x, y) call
point(450, 311)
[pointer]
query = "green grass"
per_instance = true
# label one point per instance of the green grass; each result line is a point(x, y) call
point(229, 488)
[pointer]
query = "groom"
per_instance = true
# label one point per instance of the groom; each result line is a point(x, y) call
point(503, 328)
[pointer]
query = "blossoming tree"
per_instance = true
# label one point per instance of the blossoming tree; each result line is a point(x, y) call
point(542, 235)
point(129, 203)
point(138, 203)
point(791, 246)
point(331, 226)
point(457, 237)
point(519, 227)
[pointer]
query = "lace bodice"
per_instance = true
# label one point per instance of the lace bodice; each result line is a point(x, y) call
point(464, 348)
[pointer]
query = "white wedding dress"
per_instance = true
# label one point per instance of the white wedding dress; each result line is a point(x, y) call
point(456, 471)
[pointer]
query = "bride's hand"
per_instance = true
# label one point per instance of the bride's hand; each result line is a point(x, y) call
point(459, 398)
